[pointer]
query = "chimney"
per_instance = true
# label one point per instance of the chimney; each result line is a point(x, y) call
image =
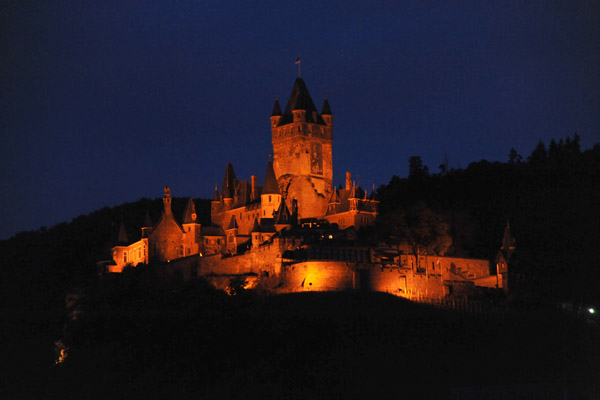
point(253, 193)
point(348, 180)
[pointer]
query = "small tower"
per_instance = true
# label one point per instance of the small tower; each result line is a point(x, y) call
point(231, 233)
point(215, 204)
point(255, 232)
point(326, 113)
point(228, 187)
point(270, 197)
point(503, 258)
point(167, 200)
point(147, 228)
point(276, 115)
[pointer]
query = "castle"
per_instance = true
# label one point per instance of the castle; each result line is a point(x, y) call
point(298, 228)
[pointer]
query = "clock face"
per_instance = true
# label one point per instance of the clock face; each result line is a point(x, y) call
point(193, 215)
point(316, 158)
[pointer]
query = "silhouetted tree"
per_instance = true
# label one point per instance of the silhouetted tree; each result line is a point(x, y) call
point(539, 154)
point(514, 157)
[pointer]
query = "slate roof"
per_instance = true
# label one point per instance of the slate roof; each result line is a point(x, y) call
point(276, 109)
point(229, 182)
point(300, 100)
point(283, 215)
point(232, 223)
point(326, 110)
point(212, 231)
point(190, 208)
point(270, 186)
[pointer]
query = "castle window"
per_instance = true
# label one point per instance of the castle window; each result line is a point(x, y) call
point(269, 198)
point(299, 128)
point(125, 257)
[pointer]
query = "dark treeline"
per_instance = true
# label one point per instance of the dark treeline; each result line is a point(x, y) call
point(39, 267)
point(551, 198)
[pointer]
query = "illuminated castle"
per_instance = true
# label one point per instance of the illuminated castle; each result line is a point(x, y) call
point(297, 186)
point(297, 228)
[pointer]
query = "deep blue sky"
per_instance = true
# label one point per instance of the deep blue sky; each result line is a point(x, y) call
point(104, 102)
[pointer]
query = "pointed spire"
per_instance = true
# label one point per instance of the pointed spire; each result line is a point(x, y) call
point(270, 186)
point(335, 197)
point(300, 98)
point(189, 216)
point(216, 196)
point(326, 110)
point(228, 182)
point(232, 223)
point(508, 242)
point(255, 227)
point(122, 238)
point(276, 109)
point(148, 220)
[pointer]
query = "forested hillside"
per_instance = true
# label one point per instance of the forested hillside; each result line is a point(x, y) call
point(551, 198)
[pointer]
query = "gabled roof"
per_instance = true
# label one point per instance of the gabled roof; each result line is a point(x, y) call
point(212, 231)
point(326, 110)
point(232, 223)
point(283, 216)
point(270, 186)
point(276, 109)
point(189, 216)
point(300, 100)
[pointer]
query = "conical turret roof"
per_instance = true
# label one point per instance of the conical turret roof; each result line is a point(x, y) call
point(228, 181)
point(270, 186)
point(255, 227)
point(276, 109)
point(326, 110)
point(300, 100)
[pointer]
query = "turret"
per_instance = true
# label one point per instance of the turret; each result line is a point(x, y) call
point(228, 188)
point(276, 115)
point(271, 196)
point(232, 232)
point(326, 113)
point(255, 232)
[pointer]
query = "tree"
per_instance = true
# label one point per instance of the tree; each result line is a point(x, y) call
point(539, 154)
point(416, 169)
point(514, 157)
point(422, 230)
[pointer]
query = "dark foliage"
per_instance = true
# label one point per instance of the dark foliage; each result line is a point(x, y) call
point(552, 202)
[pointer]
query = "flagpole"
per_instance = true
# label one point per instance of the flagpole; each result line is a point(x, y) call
point(298, 61)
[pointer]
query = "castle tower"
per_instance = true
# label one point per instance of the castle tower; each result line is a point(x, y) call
point(302, 152)
point(167, 200)
point(228, 187)
point(270, 197)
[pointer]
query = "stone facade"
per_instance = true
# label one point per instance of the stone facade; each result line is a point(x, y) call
point(294, 230)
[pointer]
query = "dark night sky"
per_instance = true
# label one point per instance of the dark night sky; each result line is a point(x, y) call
point(104, 102)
